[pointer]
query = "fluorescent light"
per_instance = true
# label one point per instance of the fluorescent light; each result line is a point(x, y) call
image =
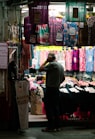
point(94, 9)
point(24, 10)
point(55, 9)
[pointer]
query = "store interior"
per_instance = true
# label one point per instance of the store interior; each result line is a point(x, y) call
point(32, 36)
point(78, 110)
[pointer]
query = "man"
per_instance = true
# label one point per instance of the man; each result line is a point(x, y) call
point(54, 77)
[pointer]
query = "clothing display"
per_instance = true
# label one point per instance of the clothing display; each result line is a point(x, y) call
point(56, 31)
point(13, 32)
point(68, 59)
point(36, 94)
point(42, 29)
point(89, 59)
point(76, 97)
point(79, 94)
point(42, 34)
point(91, 27)
point(72, 59)
point(38, 12)
point(75, 60)
point(82, 61)
point(70, 33)
point(31, 35)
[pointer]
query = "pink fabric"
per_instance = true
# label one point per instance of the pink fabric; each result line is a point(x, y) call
point(69, 54)
point(40, 82)
point(32, 86)
point(43, 108)
point(92, 83)
point(43, 34)
point(83, 83)
point(69, 80)
point(55, 24)
point(43, 56)
point(82, 61)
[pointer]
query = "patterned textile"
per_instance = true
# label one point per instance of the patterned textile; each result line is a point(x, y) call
point(36, 60)
point(70, 33)
point(91, 32)
point(15, 33)
point(91, 35)
point(43, 34)
point(75, 60)
point(69, 54)
point(73, 33)
point(91, 21)
point(38, 12)
point(55, 25)
point(61, 58)
point(83, 83)
point(89, 59)
point(36, 100)
point(82, 61)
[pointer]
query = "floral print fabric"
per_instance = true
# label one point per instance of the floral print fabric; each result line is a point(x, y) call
point(69, 54)
point(82, 61)
point(89, 59)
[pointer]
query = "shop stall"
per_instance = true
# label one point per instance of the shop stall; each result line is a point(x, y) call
point(46, 29)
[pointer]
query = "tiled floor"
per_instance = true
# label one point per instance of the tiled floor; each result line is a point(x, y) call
point(36, 133)
point(70, 131)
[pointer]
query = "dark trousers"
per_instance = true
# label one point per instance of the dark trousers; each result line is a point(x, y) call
point(51, 101)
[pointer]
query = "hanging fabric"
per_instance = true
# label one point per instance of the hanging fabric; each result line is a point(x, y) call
point(82, 61)
point(75, 60)
point(56, 31)
point(70, 33)
point(42, 34)
point(69, 55)
point(27, 29)
point(38, 12)
point(89, 59)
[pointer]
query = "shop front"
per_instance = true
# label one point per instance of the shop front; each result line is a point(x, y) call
point(70, 38)
point(49, 27)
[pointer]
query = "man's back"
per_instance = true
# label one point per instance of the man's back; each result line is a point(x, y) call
point(55, 74)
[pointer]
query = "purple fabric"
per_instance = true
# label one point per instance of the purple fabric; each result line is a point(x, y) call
point(27, 29)
point(55, 24)
point(38, 12)
point(52, 21)
point(26, 20)
point(75, 60)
